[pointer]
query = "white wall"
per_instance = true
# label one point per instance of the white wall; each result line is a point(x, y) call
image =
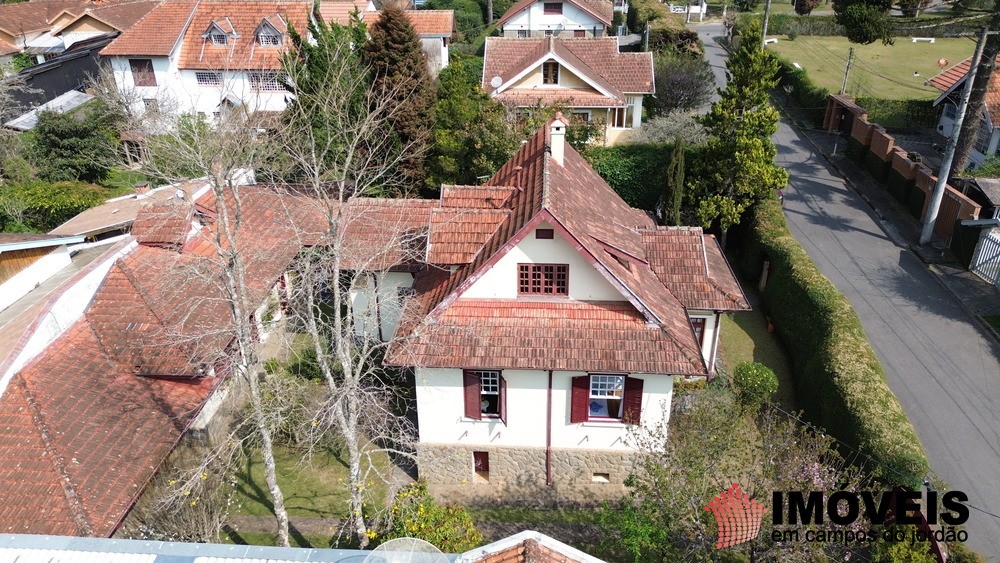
point(585, 283)
point(177, 91)
point(390, 305)
point(534, 18)
point(436, 50)
point(65, 310)
point(709, 342)
point(441, 409)
point(26, 280)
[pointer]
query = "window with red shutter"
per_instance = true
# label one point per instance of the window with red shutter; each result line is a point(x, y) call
point(471, 382)
point(503, 400)
point(632, 409)
point(485, 395)
point(578, 400)
point(606, 394)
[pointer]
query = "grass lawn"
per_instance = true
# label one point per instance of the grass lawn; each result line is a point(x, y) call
point(993, 320)
point(122, 181)
point(266, 538)
point(313, 489)
point(745, 339)
point(878, 70)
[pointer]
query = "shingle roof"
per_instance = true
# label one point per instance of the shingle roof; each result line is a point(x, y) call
point(603, 10)
point(456, 235)
point(606, 231)
point(596, 59)
point(950, 77)
point(156, 34)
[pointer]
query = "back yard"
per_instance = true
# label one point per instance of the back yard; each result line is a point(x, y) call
point(883, 71)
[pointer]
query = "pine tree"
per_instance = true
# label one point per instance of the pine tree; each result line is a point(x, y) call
point(399, 68)
point(741, 123)
point(864, 21)
point(675, 181)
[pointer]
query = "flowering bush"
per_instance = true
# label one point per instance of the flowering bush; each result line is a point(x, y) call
point(415, 514)
point(755, 383)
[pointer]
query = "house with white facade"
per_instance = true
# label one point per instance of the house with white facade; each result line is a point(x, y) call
point(433, 27)
point(549, 320)
point(589, 79)
point(563, 18)
point(951, 82)
point(207, 57)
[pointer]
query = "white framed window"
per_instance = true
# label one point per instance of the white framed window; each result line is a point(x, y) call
point(489, 392)
point(219, 38)
point(983, 137)
point(208, 78)
point(268, 39)
point(550, 72)
point(621, 118)
point(267, 81)
point(606, 394)
point(522, 33)
point(950, 111)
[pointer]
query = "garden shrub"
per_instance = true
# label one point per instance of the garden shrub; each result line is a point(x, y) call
point(415, 514)
point(45, 206)
point(899, 113)
point(755, 383)
point(786, 24)
point(807, 95)
point(636, 172)
point(840, 382)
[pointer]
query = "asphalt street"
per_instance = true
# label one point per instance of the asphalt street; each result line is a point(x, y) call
point(940, 363)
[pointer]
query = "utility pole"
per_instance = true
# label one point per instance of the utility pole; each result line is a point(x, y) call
point(949, 152)
point(847, 71)
point(767, 16)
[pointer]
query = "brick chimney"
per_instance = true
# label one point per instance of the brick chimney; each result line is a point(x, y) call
point(557, 138)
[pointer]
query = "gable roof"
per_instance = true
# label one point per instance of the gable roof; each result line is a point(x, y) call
point(117, 16)
point(954, 77)
point(26, 17)
point(595, 60)
point(424, 22)
point(157, 33)
point(439, 329)
point(339, 11)
point(602, 10)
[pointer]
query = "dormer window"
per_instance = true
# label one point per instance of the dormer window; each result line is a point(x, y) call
point(220, 39)
point(268, 39)
point(271, 31)
point(220, 32)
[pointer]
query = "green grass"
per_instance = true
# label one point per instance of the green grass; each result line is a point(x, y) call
point(993, 320)
point(271, 539)
point(879, 70)
point(745, 338)
point(312, 489)
point(515, 515)
point(121, 181)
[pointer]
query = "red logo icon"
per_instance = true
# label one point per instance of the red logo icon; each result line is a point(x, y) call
point(737, 515)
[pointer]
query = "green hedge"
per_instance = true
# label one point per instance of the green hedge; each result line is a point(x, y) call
point(807, 95)
point(899, 113)
point(783, 24)
point(637, 172)
point(48, 205)
point(840, 382)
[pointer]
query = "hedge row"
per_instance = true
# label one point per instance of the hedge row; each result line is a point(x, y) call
point(808, 96)
point(784, 24)
point(44, 206)
point(899, 113)
point(840, 382)
point(639, 172)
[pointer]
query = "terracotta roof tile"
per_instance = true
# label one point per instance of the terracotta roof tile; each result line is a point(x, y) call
point(163, 224)
point(8, 48)
point(120, 212)
point(120, 16)
point(476, 197)
point(339, 12)
point(596, 58)
point(456, 235)
point(571, 97)
point(950, 77)
point(424, 22)
point(25, 17)
point(603, 10)
point(384, 233)
point(156, 34)
point(692, 266)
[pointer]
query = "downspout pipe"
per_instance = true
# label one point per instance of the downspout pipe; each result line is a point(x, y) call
point(548, 434)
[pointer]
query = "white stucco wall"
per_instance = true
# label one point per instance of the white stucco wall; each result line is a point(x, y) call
point(534, 18)
point(390, 305)
point(39, 271)
point(585, 283)
point(177, 91)
point(441, 408)
point(709, 342)
point(436, 50)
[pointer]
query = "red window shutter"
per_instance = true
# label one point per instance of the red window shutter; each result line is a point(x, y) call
point(579, 409)
point(473, 401)
point(632, 409)
point(503, 400)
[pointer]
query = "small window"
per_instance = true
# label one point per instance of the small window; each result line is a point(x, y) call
point(606, 393)
point(983, 137)
point(489, 391)
point(151, 105)
point(548, 33)
point(579, 33)
point(267, 81)
point(208, 78)
point(142, 72)
point(600, 478)
point(544, 233)
point(543, 279)
point(485, 395)
point(522, 33)
point(268, 39)
point(580, 117)
point(621, 118)
point(550, 73)
point(552, 8)
point(698, 324)
point(481, 466)
point(950, 111)
point(219, 38)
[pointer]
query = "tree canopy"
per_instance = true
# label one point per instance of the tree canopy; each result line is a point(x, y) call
point(80, 145)
point(865, 21)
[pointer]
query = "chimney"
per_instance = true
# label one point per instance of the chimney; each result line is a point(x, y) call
point(557, 138)
point(141, 188)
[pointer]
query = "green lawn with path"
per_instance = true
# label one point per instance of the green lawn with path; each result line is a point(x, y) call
point(883, 71)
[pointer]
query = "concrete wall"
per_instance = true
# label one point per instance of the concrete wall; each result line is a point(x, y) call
point(40, 270)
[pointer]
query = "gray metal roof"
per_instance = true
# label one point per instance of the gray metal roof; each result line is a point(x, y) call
point(60, 104)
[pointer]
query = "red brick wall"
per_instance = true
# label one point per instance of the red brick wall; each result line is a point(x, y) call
point(882, 144)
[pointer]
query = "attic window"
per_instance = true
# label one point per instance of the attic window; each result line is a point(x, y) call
point(219, 38)
point(622, 262)
point(552, 8)
point(268, 39)
point(544, 233)
point(550, 73)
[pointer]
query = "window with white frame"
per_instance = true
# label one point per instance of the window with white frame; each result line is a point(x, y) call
point(606, 394)
point(621, 118)
point(219, 38)
point(485, 394)
point(522, 33)
point(208, 78)
point(267, 81)
point(268, 39)
point(489, 391)
point(983, 137)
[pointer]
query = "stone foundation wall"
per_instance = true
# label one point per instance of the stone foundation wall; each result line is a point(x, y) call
point(517, 475)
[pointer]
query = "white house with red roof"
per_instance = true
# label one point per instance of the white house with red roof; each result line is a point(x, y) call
point(207, 57)
point(561, 18)
point(588, 78)
point(550, 319)
point(951, 82)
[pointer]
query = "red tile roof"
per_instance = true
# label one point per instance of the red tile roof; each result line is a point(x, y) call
point(156, 34)
point(119, 16)
point(456, 235)
point(425, 22)
point(595, 59)
point(25, 17)
point(163, 224)
point(691, 264)
point(8, 48)
point(603, 10)
point(476, 197)
point(380, 234)
point(952, 76)
point(606, 231)
point(339, 11)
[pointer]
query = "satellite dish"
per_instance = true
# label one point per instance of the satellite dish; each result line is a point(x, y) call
point(496, 82)
point(406, 550)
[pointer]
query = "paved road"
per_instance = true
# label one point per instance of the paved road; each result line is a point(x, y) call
point(939, 362)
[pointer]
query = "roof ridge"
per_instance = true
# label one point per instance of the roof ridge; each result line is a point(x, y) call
point(78, 513)
point(132, 281)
